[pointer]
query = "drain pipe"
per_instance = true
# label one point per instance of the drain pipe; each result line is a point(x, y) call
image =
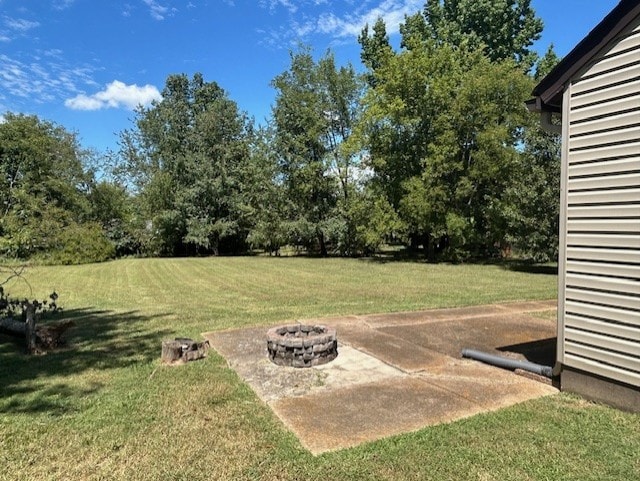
point(546, 371)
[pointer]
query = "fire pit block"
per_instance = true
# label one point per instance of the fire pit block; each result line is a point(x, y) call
point(302, 345)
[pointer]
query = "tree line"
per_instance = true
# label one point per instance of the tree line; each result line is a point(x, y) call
point(430, 147)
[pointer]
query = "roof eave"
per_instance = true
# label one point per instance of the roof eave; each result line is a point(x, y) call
point(549, 91)
point(536, 105)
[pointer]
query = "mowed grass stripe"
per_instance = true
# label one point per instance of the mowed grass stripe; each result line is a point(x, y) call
point(104, 408)
point(246, 291)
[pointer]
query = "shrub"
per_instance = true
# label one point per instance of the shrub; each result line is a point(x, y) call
point(80, 244)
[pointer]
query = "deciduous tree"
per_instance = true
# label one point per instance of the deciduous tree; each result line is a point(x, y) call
point(317, 105)
point(505, 28)
point(184, 156)
point(43, 187)
point(532, 200)
point(442, 126)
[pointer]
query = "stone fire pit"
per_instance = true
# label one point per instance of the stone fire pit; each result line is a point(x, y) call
point(301, 345)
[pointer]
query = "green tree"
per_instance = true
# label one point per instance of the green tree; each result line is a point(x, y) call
point(113, 207)
point(369, 220)
point(532, 201)
point(443, 121)
point(376, 48)
point(300, 130)
point(317, 105)
point(264, 197)
point(184, 158)
point(546, 64)
point(442, 127)
point(43, 187)
point(505, 28)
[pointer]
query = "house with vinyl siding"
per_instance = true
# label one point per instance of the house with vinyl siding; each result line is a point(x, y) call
point(595, 90)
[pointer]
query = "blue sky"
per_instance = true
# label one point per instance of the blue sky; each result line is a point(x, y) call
point(85, 64)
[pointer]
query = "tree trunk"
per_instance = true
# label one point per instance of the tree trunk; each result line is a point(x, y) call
point(429, 250)
point(323, 245)
point(414, 242)
point(30, 330)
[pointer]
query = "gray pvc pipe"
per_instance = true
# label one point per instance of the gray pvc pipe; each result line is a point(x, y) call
point(546, 371)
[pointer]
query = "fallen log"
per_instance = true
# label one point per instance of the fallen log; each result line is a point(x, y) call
point(12, 327)
point(47, 336)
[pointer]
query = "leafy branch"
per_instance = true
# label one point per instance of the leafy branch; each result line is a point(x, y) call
point(11, 307)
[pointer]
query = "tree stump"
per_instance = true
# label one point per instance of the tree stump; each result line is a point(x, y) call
point(182, 350)
point(171, 351)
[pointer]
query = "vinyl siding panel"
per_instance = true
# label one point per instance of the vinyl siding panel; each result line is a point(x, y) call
point(599, 322)
point(610, 329)
point(595, 140)
point(631, 41)
point(605, 182)
point(610, 79)
point(608, 343)
point(601, 369)
point(602, 167)
point(628, 271)
point(608, 108)
point(629, 226)
point(626, 89)
point(602, 240)
point(608, 284)
point(626, 256)
point(605, 298)
point(603, 211)
point(605, 152)
point(611, 358)
point(614, 61)
point(610, 197)
point(606, 313)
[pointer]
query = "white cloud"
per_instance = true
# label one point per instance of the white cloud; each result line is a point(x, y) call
point(62, 4)
point(41, 76)
point(273, 4)
point(304, 29)
point(82, 102)
point(37, 81)
point(158, 11)
point(391, 11)
point(116, 95)
point(20, 24)
point(327, 22)
point(41, 81)
point(53, 52)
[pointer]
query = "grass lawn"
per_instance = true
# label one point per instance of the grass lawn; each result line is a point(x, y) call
point(104, 408)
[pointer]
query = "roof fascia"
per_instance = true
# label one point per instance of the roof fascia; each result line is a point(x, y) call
point(552, 86)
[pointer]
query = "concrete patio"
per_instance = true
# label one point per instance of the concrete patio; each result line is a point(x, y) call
point(397, 372)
